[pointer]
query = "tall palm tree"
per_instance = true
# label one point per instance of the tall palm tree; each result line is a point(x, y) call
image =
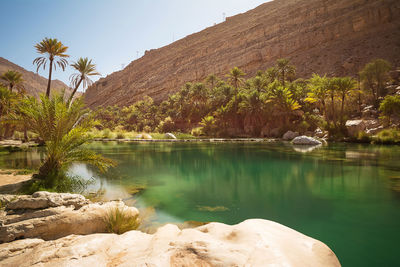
point(13, 79)
point(235, 77)
point(55, 53)
point(85, 68)
point(284, 69)
point(344, 86)
point(318, 92)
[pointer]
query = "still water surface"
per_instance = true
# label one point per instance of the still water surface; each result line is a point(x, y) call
point(347, 196)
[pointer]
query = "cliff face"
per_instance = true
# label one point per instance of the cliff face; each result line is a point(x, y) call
point(34, 84)
point(336, 37)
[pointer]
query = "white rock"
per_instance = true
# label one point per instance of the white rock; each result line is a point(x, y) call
point(289, 135)
point(170, 136)
point(355, 126)
point(60, 216)
point(306, 140)
point(251, 243)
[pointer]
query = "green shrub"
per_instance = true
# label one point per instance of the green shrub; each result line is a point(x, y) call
point(388, 136)
point(165, 126)
point(197, 131)
point(106, 133)
point(363, 137)
point(120, 135)
point(147, 129)
point(18, 135)
point(119, 221)
point(390, 106)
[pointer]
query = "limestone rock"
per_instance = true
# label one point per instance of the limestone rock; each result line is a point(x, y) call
point(170, 136)
point(373, 131)
point(51, 216)
point(306, 140)
point(332, 36)
point(253, 242)
point(289, 135)
point(355, 126)
point(43, 200)
point(319, 133)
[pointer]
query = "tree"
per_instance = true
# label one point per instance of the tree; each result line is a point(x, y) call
point(235, 77)
point(283, 101)
point(63, 128)
point(211, 80)
point(390, 106)
point(13, 79)
point(374, 75)
point(344, 86)
point(55, 54)
point(8, 108)
point(284, 70)
point(85, 69)
point(318, 87)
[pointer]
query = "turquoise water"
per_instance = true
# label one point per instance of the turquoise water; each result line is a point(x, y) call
point(347, 196)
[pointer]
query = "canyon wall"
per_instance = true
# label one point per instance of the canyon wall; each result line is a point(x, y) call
point(336, 37)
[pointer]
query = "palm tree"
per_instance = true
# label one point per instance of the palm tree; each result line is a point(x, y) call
point(318, 92)
point(344, 86)
point(55, 53)
point(284, 69)
point(235, 77)
point(85, 69)
point(13, 78)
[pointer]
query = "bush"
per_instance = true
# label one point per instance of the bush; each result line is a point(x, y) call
point(106, 133)
point(390, 106)
point(165, 126)
point(363, 137)
point(147, 129)
point(388, 136)
point(119, 221)
point(197, 131)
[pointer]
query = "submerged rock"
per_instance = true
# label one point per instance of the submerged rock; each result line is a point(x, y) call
point(289, 135)
point(251, 243)
point(52, 215)
point(306, 140)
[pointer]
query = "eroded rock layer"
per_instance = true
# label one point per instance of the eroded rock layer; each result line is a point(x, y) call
point(324, 36)
point(251, 243)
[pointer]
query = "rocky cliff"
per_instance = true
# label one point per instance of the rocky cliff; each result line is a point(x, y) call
point(34, 83)
point(323, 36)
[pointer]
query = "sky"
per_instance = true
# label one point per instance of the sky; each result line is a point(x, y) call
point(110, 32)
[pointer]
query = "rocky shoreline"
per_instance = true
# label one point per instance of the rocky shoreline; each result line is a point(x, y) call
point(58, 229)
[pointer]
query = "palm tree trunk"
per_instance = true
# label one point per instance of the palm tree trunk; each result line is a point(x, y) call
point(75, 89)
point(11, 87)
point(49, 81)
point(333, 110)
point(342, 108)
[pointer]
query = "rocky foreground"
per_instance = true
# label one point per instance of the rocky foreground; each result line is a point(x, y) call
point(68, 223)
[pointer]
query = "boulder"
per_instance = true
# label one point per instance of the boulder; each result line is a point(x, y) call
point(170, 136)
point(43, 200)
point(51, 216)
point(355, 126)
point(289, 135)
point(306, 140)
point(274, 132)
point(253, 242)
point(145, 136)
point(374, 131)
point(319, 133)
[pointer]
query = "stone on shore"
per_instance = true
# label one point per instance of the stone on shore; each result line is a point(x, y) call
point(51, 215)
point(170, 136)
point(253, 242)
point(289, 135)
point(306, 140)
point(354, 127)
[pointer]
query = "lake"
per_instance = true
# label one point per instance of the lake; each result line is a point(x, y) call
point(346, 195)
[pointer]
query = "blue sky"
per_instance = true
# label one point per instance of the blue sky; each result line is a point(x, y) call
point(111, 32)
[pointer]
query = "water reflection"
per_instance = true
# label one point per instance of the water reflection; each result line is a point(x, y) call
point(345, 195)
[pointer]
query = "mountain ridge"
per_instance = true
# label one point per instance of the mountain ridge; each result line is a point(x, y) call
point(34, 84)
point(336, 37)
